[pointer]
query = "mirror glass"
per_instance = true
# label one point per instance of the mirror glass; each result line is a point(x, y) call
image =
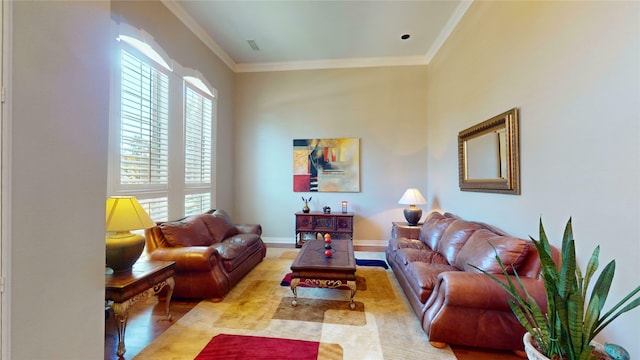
point(488, 155)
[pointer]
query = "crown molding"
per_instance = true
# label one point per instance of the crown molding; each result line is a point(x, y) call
point(332, 64)
point(193, 25)
point(448, 29)
point(186, 19)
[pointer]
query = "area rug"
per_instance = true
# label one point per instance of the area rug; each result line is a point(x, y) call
point(382, 326)
point(223, 347)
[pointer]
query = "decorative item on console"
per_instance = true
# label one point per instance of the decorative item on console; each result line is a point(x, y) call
point(344, 207)
point(326, 209)
point(306, 209)
point(412, 197)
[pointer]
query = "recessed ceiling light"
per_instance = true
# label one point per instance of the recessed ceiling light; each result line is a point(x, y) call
point(405, 36)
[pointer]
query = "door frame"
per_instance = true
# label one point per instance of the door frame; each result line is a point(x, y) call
point(6, 26)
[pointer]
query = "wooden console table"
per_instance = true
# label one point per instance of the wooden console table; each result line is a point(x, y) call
point(312, 224)
point(145, 279)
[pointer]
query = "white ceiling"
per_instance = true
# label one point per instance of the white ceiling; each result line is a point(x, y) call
point(308, 34)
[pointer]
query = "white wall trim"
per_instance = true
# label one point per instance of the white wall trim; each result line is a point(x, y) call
point(202, 34)
point(448, 29)
point(193, 25)
point(5, 180)
point(333, 64)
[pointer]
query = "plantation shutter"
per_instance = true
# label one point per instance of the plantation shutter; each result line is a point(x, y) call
point(144, 125)
point(198, 145)
point(198, 112)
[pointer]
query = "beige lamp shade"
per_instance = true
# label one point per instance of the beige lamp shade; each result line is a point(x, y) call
point(412, 197)
point(124, 213)
point(123, 248)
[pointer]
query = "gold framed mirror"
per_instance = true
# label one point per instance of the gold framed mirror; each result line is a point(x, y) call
point(489, 155)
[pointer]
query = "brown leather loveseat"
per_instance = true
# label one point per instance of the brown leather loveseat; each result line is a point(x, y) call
point(211, 253)
point(455, 303)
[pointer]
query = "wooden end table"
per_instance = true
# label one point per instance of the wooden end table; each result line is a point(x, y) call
point(403, 229)
point(145, 279)
point(314, 269)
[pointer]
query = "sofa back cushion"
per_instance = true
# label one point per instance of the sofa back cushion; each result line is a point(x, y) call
point(219, 227)
point(434, 226)
point(190, 231)
point(479, 252)
point(454, 238)
point(224, 215)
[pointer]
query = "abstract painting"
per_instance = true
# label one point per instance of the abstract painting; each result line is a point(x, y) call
point(326, 165)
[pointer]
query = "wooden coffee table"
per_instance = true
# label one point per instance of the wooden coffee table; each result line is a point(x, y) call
point(312, 268)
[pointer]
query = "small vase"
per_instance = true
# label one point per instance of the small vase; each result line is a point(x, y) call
point(305, 209)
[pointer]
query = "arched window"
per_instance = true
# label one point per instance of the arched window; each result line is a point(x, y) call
point(162, 131)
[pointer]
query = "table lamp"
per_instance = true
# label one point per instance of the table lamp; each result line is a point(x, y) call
point(124, 214)
point(412, 197)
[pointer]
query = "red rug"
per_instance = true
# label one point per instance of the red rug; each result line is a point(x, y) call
point(225, 346)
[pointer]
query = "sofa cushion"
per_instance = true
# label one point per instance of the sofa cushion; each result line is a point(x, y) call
point(479, 252)
point(405, 256)
point(396, 244)
point(236, 249)
point(434, 226)
point(190, 231)
point(404, 243)
point(223, 214)
point(422, 277)
point(219, 228)
point(454, 238)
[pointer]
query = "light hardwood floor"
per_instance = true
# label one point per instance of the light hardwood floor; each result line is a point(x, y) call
point(147, 321)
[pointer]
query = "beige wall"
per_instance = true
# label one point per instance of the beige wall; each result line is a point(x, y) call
point(57, 165)
point(573, 70)
point(384, 107)
point(190, 52)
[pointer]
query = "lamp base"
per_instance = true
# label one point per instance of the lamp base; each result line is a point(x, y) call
point(412, 214)
point(123, 250)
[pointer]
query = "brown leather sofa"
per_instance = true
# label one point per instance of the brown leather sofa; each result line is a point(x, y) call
point(456, 304)
point(211, 253)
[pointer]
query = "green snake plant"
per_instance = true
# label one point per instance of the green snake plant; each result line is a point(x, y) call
point(573, 316)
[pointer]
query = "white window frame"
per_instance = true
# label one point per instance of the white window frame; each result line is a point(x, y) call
point(176, 190)
point(203, 144)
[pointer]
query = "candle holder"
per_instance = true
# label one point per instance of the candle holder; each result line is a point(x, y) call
point(344, 207)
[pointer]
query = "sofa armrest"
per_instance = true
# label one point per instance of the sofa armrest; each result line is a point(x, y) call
point(188, 258)
point(249, 229)
point(475, 290)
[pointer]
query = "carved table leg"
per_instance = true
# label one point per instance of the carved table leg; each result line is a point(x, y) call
point(352, 285)
point(294, 284)
point(171, 283)
point(121, 312)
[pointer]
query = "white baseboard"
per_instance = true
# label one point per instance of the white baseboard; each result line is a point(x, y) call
point(278, 240)
point(357, 242)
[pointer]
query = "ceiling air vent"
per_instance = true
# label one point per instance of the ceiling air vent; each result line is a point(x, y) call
point(254, 45)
